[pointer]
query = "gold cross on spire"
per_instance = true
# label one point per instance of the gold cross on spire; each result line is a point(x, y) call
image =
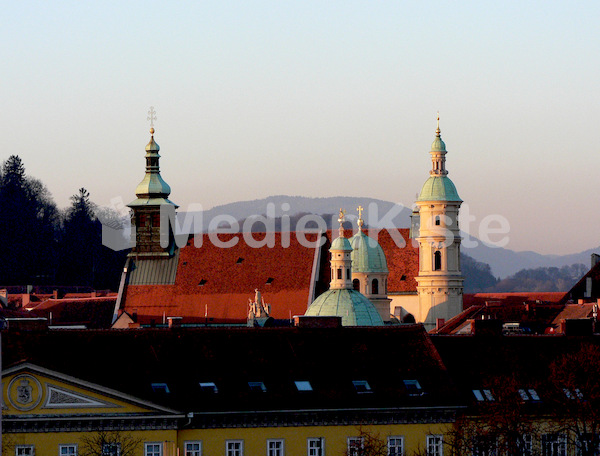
point(151, 118)
point(360, 222)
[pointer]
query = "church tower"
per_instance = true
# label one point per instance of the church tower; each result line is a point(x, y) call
point(440, 282)
point(152, 207)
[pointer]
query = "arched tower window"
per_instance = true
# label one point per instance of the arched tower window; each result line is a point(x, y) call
point(356, 284)
point(375, 286)
point(437, 261)
point(339, 273)
point(348, 274)
point(437, 220)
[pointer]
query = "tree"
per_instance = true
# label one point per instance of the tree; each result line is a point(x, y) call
point(27, 226)
point(575, 398)
point(366, 444)
point(109, 443)
point(502, 423)
point(80, 241)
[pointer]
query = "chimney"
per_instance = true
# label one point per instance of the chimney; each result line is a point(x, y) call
point(595, 259)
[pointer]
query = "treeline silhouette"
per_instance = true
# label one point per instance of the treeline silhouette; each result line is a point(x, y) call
point(43, 245)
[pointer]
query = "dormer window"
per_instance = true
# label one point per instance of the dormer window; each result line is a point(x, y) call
point(160, 388)
point(208, 387)
point(413, 387)
point(202, 282)
point(257, 387)
point(270, 280)
point(361, 386)
point(240, 260)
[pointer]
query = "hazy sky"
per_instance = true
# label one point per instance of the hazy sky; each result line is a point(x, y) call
point(314, 98)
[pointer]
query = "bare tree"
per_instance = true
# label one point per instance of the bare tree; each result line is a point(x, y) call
point(109, 443)
point(575, 398)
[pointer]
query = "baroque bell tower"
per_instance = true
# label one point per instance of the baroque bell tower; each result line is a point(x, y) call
point(440, 281)
point(152, 207)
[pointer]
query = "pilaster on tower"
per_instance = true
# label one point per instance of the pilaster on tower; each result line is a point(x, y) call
point(440, 281)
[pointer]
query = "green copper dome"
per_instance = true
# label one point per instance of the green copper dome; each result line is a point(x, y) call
point(438, 145)
point(439, 188)
point(341, 243)
point(354, 308)
point(367, 254)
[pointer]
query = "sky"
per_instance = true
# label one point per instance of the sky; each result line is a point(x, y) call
point(314, 98)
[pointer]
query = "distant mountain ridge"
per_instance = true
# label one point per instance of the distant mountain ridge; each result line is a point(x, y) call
point(503, 262)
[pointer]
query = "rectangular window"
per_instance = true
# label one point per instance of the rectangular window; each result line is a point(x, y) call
point(24, 450)
point(355, 445)
point(527, 445)
point(315, 447)
point(192, 448)
point(111, 449)
point(67, 450)
point(395, 446)
point(234, 448)
point(435, 445)
point(275, 447)
point(554, 445)
point(586, 446)
point(152, 449)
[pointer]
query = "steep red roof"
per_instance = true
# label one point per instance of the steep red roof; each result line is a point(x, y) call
point(511, 298)
point(218, 282)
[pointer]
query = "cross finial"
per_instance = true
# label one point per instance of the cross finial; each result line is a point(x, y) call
point(151, 118)
point(360, 222)
point(437, 131)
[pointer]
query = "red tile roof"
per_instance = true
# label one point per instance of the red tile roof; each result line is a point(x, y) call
point(219, 281)
point(92, 312)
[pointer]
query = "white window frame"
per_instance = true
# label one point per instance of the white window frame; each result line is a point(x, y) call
point(30, 448)
point(234, 451)
point(527, 445)
point(392, 442)
point(153, 452)
point(435, 445)
point(355, 445)
point(320, 447)
point(280, 451)
point(192, 452)
point(116, 444)
point(68, 445)
point(557, 442)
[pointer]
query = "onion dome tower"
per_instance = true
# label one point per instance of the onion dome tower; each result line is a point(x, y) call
point(341, 299)
point(369, 269)
point(440, 282)
point(152, 207)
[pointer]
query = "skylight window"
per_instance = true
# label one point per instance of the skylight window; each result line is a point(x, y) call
point(270, 280)
point(413, 387)
point(572, 394)
point(303, 385)
point(160, 388)
point(240, 260)
point(529, 394)
point(257, 387)
point(208, 387)
point(361, 386)
point(483, 395)
point(202, 282)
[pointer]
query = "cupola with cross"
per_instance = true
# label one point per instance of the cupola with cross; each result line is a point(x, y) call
point(152, 207)
point(369, 269)
point(341, 299)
